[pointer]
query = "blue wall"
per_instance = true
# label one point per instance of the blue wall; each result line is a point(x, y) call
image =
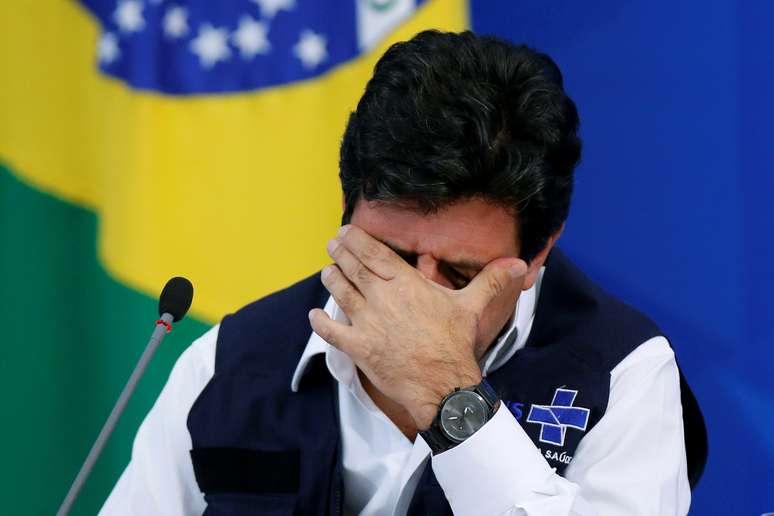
point(674, 206)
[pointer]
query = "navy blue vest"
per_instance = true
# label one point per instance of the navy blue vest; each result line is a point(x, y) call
point(259, 448)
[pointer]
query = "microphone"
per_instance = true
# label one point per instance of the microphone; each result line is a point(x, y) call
point(175, 298)
point(174, 302)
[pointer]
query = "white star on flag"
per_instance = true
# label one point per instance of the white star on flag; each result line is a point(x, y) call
point(176, 22)
point(310, 49)
point(251, 37)
point(211, 45)
point(270, 7)
point(107, 48)
point(128, 16)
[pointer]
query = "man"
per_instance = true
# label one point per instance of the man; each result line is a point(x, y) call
point(459, 362)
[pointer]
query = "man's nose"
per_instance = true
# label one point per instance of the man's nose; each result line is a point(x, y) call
point(431, 269)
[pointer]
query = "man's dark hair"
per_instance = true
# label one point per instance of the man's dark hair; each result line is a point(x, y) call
point(447, 117)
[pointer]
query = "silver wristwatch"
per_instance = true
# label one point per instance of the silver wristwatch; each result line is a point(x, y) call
point(460, 414)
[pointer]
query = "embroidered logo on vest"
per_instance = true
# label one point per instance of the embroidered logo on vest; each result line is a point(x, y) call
point(556, 418)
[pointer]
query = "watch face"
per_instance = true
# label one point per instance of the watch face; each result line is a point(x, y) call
point(463, 413)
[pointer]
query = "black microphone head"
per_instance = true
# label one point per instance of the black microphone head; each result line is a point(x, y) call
point(176, 298)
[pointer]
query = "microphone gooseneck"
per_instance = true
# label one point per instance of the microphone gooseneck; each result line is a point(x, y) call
point(174, 302)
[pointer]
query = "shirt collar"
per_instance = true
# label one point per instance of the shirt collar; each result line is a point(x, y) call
point(510, 341)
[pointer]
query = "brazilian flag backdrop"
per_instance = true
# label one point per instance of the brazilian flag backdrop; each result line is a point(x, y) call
point(145, 139)
point(141, 139)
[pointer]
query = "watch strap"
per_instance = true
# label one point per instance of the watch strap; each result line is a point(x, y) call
point(488, 393)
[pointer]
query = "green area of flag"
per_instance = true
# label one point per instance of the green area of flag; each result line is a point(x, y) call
point(71, 336)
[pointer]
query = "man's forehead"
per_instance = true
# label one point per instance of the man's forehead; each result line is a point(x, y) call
point(471, 231)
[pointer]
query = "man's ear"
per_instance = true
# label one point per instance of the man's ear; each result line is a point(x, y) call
point(540, 259)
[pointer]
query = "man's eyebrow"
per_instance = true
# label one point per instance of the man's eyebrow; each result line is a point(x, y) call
point(467, 265)
point(406, 255)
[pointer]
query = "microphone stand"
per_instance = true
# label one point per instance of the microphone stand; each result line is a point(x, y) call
point(163, 326)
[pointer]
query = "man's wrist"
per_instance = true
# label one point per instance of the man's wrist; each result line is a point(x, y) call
point(463, 412)
point(427, 408)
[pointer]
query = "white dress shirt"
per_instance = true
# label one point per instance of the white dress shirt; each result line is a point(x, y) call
point(632, 462)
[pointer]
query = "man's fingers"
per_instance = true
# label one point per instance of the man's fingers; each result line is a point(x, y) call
point(372, 253)
point(501, 276)
point(353, 269)
point(346, 295)
point(333, 332)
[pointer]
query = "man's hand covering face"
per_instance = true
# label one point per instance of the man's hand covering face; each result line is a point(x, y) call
point(414, 339)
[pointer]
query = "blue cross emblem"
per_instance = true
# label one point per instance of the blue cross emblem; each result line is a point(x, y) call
point(556, 418)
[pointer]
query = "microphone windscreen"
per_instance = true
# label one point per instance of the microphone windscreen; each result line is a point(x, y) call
point(176, 298)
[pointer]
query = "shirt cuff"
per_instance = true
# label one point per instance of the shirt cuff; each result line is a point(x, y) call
point(494, 469)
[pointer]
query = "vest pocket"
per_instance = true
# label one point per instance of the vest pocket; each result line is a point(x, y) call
point(243, 471)
point(233, 504)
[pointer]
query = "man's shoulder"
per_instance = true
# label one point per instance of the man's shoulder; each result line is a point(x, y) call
point(598, 323)
point(273, 328)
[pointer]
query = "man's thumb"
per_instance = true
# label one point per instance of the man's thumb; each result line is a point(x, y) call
point(499, 276)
